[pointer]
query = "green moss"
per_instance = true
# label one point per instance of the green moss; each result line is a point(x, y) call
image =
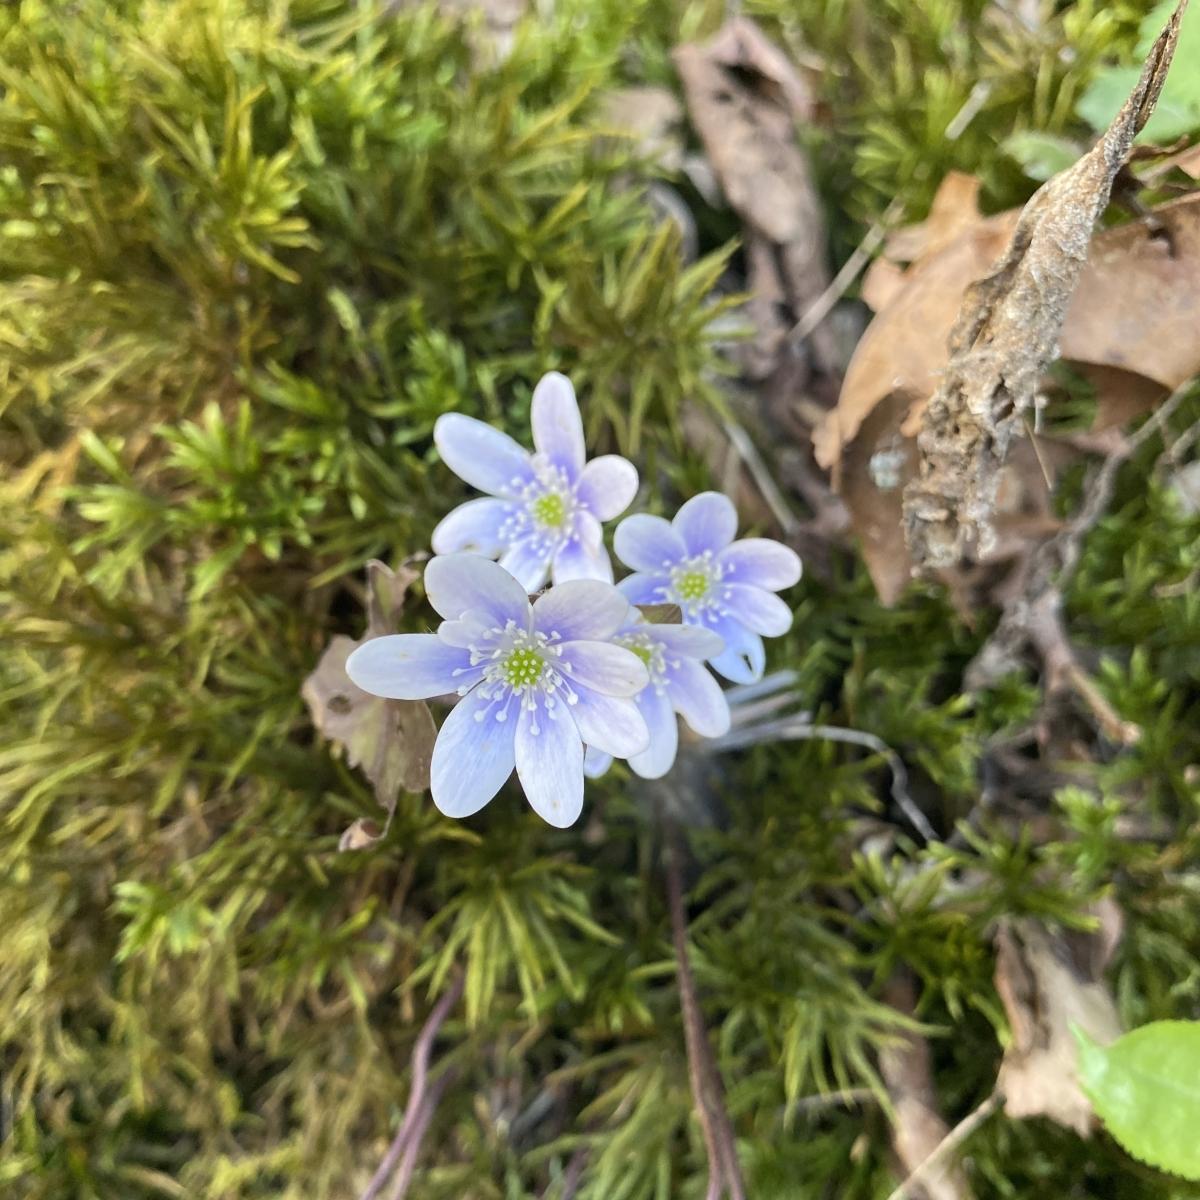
point(248, 252)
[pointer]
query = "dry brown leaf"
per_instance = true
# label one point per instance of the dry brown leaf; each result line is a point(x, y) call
point(361, 835)
point(745, 100)
point(1131, 330)
point(1006, 334)
point(390, 740)
point(1048, 982)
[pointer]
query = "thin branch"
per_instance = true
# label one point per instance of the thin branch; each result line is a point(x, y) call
point(798, 729)
point(949, 1143)
point(725, 1175)
point(408, 1131)
point(408, 1164)
point(822, 306)
point(761, 474)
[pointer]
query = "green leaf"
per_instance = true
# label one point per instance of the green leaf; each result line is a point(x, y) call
point(1041, 155)
point(1178, 109)
point(1146, 1090)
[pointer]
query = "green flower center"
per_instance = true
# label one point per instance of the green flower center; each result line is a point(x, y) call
point(645, 653)
point(692, 585)
point(549, 509)
point(523, 668)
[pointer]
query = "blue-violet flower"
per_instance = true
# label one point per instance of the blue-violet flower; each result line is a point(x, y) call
point(718, 583)
point(679, 683)
point(536, 682)
point(543, 511)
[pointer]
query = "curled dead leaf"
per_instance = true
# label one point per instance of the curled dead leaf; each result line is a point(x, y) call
point(1130, 330)
point(1006, 334)
point(1048, 982)
point(361, 835)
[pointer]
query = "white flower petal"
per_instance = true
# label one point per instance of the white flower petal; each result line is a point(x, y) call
point(474, 526)
point(648, 544)
point(614, 726)
point(743, 658)
point(527, 563)
point(698, 698)
point(644, 589)
point(761, 612)
point(610, 670)
point(584, 609)
point(692, 641)
point(595, 762)
point(482, 456)
point(455, 583)
point(549, 757)
point(762, 563)
point(657, 759)
point(608, 485)
point(706, 522)
point(557, 427)
point(410, 666)
point(576, 561)
point(473, 755)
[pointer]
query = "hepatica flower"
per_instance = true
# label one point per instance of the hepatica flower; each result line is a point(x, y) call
point(535, 681)
point(724, 585)
point(679, 683)
point(543, 511)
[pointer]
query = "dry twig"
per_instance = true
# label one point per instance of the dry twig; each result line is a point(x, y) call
point(725, 1174)
point(422, 1100)
point(948, 1144)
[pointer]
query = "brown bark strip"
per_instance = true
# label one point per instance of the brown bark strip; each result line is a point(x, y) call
point(1006, 335)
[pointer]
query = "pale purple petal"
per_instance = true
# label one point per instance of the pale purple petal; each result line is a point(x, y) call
point(611, 670)
point(648, 544)
point(486, 458)
point(549, 757)
point(762, 563)
point(473, 754)
point(612, 725)
point(760, 612)
point(608, 485)
point(706, 522)
point(595, 762)
point(455, 583)
point(473, 526)
point(583, 609)
point(644, 589)
point(655, 761)
point(557, 428)
point(698, 698)
point(410, 666)
point(576, 561)
point(743, 658)
point(692, 641)
point(528, 563)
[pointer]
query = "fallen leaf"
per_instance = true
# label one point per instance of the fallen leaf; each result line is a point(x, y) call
point(361, 835)
point(661, 614)
point(1006, 334)
point(745, 99)
point(1049, 982)
point(390, 740)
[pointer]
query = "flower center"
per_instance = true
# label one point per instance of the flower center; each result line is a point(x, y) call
point(523, 668)
point(696, 585)
point(692, 585)
point(549, 510)
point(649, 651)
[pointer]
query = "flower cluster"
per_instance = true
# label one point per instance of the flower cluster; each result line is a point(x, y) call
point(560, 685)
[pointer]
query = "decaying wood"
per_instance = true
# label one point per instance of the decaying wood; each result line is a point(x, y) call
point(1007, 333)
point(918, 1128)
